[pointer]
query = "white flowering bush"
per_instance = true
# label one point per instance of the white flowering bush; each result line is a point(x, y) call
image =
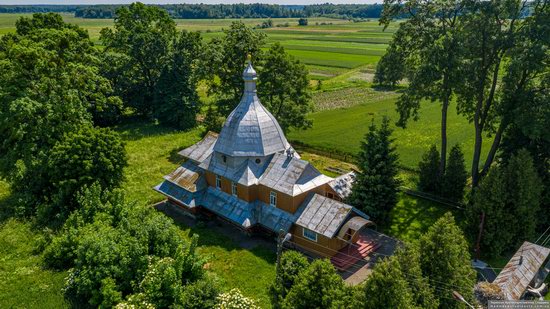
point(234, 299)
point(136, 301)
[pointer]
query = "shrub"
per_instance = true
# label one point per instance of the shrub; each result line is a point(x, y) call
point(456, 176)
point(235, 300)
point(429, 180)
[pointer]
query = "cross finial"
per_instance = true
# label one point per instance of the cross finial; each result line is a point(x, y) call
point(249, 58)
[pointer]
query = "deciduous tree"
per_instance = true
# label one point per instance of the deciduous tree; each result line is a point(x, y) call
point(283, 88)
point(144, 35)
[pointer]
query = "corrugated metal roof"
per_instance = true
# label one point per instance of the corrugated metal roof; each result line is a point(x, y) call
point(342, 184)
point(179, 194)
point(229, 207)
point(273, 218)
point(251, 130)
point(201, 150)
point(292, 176)
point(522, 268)
point(188, 176)
point(323, 215)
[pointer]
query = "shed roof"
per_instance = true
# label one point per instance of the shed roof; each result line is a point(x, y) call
point(251, 130)
point(201, 150)
point(342, 184)
point(291, 175)
point(522, 268)
point(323, 215)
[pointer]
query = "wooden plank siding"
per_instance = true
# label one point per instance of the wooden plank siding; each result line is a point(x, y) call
point(324, 246)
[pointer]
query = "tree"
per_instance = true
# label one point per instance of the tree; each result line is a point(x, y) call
point(428, 167)
point(224, 63)
point(302, 22)
point(423, 295)
point(50, 87)
point(82, 158)
point(456, 176)
point(118, 250)
point(445, 261)
point(201, 294)
point(506, 194)
point(292, 264)
point(505, 61)
point(176, 98)
point(144, 35)
point(430, 40)
point(283, 88)
point(318, 286)
point(375, 188)
point(386, 287)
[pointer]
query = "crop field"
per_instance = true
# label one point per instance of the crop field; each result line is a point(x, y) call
point(326, 45)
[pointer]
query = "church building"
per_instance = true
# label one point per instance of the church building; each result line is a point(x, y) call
point(250, 175)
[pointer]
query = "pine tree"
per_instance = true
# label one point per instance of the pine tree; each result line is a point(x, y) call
point(375, 188)
point(319, 286)
point(429, 180)
point(456, 176)
point(423, 295)
point(292, 263)
point(507, 194)
point(445, 261)
point(386, 287)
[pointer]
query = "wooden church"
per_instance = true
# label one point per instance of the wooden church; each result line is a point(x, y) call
point(250, 175)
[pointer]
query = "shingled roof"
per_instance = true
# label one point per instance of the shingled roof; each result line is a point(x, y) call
point(522, 268)
point(251, 130)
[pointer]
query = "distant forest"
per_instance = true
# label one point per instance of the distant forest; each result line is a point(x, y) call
point(215, 11)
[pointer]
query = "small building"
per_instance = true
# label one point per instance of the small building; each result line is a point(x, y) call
point(250, 175)
point(523, 271)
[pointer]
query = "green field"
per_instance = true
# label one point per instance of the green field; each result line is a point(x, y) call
point(339, 43)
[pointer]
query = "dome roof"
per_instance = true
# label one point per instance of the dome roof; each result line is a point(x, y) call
point(251, 130)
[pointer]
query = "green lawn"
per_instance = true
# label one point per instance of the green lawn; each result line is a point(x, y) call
point(23, 281)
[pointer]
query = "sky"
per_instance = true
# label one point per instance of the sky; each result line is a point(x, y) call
point(24, 2)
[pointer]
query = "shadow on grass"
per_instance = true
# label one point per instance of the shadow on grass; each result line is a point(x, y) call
point(413, 216)
point(214, 232)
point(174, 157)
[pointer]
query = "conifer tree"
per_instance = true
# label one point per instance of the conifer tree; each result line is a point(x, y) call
point(508, 194)
point(456, 176)
point(375, 188)
point(292, 263)
point(319, 286)
point(386, 287)
point(445, 261)
point(429, 180)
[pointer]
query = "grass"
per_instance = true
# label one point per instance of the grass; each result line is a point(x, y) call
point(23, 281)
point(343, 129)
point(412, 217)
point(152, 151)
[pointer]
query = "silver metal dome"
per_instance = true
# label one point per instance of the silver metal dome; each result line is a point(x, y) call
point(251, 130)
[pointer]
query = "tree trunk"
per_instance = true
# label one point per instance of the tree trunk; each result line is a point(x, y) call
point(443, 160)
point(477, 152)
point(493, 150)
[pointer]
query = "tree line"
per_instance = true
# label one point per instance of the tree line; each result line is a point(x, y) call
point(214, 11)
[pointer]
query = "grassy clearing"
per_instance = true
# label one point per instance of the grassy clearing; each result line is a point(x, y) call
point(23, 281)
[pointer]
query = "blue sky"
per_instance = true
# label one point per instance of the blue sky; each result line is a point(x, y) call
point(22, 2)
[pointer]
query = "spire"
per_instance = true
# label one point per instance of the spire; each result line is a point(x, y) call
point(249, 76)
